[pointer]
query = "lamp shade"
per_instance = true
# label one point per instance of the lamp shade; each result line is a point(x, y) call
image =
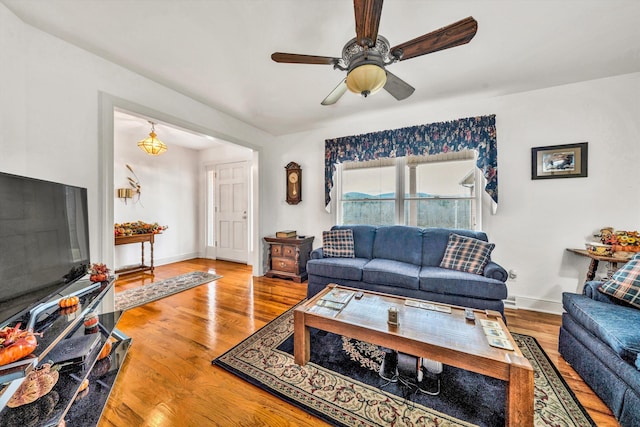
point(152, 145)
point(366, 79)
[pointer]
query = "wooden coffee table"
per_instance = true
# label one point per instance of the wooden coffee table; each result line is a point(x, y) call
point(440, 336)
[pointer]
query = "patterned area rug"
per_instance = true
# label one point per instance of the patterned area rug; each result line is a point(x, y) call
point(341, 384)
point(157, 290)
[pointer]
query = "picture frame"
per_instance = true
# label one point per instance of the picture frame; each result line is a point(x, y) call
point(560, 161)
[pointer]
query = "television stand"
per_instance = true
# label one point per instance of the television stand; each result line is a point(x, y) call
point(56, 327)
point(137, 238)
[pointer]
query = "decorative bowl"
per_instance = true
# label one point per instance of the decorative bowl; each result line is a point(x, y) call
point(598, 248)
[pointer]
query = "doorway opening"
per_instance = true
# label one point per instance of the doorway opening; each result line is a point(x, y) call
point(174, 192)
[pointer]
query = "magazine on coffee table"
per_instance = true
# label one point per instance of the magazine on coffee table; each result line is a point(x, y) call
point(332, 303)
point(340, 296)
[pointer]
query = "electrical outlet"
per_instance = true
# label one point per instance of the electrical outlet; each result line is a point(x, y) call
point(513, 275)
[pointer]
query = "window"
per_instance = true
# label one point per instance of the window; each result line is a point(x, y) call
point(424, 191)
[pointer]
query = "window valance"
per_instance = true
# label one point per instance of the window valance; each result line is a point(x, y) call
point(473, 133)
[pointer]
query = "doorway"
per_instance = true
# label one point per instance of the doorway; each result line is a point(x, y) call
point(228, 213)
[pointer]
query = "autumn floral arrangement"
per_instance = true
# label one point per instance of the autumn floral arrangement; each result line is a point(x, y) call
point(138, 227)
point(621, 241)
point(98, 272)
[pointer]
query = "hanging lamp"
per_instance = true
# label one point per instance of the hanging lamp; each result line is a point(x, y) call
point(152, 145)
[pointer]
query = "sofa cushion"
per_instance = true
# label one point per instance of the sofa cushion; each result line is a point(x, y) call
point(392, 273)
point(448, 282)
point(435, 240)
point(399, 243)
point(466, 254)
point(625, 283)
point(338, 244)
point(608, 322)
point(363, 236)
point(337, 268)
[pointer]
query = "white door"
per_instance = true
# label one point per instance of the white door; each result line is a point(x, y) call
point(231, 211)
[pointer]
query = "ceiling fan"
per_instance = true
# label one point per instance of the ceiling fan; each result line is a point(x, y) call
point(365, 57)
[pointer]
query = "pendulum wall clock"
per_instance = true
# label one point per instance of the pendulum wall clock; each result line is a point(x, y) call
point(294, 183)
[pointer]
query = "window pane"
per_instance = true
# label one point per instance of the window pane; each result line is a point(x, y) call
point(450, 213)
point(369, 183)
point(360, 186)
point(441, 179)
point(370, 212)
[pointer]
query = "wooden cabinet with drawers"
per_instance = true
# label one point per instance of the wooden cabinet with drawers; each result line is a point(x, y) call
point(288, 257)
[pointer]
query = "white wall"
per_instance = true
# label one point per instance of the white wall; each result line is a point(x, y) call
point(50, 116)
point(535, 220)
point(169, 196)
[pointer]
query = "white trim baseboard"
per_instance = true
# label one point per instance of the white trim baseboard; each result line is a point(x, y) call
point(544, 306)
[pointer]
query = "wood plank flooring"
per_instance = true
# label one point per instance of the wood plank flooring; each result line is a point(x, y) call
point(168, 380)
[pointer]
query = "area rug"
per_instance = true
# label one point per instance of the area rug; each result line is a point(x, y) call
point(141, 295)
point(341, 384)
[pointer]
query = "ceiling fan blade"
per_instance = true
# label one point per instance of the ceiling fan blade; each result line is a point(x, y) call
point(336, 94)
point(367, 14)
point(294, 58)
point(397, 87)
point(453, 35)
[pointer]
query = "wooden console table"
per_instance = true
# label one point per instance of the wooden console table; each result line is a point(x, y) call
point(288, 257)
point(137, 238)
point(612, 267)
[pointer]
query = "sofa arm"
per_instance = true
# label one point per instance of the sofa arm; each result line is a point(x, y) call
point(316, 254)
point(495, 271)
point(591, 290)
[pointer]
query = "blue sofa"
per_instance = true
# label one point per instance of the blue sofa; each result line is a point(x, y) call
point(404, 260)
point(600, 339)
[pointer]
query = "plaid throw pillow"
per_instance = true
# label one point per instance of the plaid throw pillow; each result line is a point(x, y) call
point(625, 283)
point(338, 244)
point(466, 254)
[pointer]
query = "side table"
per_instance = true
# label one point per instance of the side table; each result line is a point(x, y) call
point(612, 265)
point(288, 257)
point(137, 238)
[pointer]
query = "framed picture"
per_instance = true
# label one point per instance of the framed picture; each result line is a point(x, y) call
point(559, 161)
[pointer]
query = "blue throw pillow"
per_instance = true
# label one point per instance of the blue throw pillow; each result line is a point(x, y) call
point(338, 244)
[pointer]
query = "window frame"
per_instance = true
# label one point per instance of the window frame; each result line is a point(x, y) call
point(400, 198)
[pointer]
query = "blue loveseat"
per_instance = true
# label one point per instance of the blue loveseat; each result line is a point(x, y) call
point(405, 260)
point(600, 339)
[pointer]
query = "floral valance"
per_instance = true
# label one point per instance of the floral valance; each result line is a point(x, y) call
point(473, 133)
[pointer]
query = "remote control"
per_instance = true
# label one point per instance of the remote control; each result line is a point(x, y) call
point(468, 314)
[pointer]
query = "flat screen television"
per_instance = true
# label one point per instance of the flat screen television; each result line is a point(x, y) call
point(44, 241)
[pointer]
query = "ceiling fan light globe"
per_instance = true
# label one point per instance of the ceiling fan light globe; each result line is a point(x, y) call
point(366, 79)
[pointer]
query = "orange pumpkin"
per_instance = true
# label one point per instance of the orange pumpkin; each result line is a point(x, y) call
point(106, 350)
point(68, 301)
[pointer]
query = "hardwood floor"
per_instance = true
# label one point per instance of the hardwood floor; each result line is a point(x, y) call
point(168, 380)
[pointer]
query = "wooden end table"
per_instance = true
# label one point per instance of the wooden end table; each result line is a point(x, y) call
point(137, 238)
point(444, 337)
point(288, 257)
point(612, 265)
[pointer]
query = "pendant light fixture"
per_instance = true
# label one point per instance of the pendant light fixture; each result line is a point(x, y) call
point(152, 145)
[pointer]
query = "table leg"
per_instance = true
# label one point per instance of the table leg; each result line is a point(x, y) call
point(301, 345)
point(612, 267)
point(151, 243)
point(520, 398)
point(593, 267)
point(142, 254)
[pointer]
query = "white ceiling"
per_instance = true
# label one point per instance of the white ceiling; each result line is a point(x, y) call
point(132, 124)
point(218, 51)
